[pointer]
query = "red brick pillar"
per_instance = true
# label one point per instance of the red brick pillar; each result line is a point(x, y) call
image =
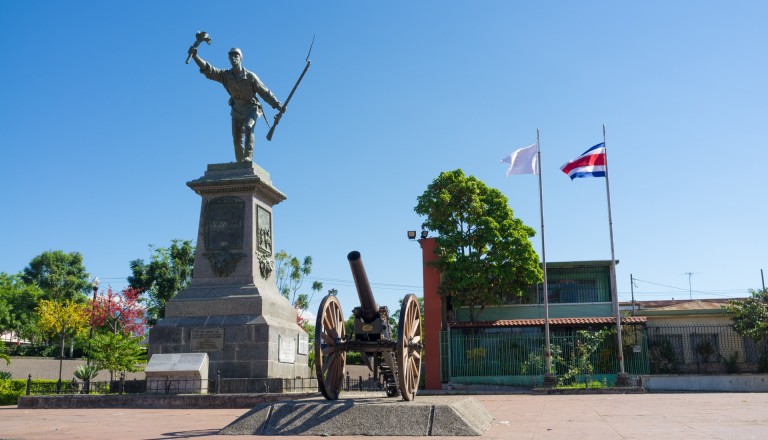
point(432, 315)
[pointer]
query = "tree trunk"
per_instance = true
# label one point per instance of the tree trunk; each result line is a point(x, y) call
point(63, 341)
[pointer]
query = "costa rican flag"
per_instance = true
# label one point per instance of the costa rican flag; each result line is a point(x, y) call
point(591, 163)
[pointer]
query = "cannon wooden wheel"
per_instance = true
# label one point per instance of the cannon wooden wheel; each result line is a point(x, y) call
point(408, 348)
point(329, 358)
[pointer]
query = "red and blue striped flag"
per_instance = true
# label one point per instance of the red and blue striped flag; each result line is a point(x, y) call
point(591, 163)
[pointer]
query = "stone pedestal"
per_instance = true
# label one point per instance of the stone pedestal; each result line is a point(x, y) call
point(232, 309)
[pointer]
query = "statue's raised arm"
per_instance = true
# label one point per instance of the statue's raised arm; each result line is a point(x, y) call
point(200, 36)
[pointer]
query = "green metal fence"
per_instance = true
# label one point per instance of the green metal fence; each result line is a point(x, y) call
point(704, 349)
point(516, 358)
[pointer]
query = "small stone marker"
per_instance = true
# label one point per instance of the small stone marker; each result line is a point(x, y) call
point(178, 373)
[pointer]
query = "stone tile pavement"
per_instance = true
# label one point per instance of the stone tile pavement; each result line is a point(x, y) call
point(700, 416)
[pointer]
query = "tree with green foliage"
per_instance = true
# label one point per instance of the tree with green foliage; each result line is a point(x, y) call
point(60, 275)
point(750, 315)
point(484, 251)
point(290, 274)
point(117, 352)
point(18, 301)
point(168, 272)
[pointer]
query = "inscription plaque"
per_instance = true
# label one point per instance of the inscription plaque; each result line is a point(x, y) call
point(206, 339)
point(303, 343)
point(286, 350)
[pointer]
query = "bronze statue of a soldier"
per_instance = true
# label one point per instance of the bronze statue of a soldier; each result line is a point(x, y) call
point(244, 88)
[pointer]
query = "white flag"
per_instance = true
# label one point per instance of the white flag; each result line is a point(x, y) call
point(522, 161)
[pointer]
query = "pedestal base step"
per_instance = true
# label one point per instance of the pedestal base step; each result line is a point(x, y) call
point(433, 415)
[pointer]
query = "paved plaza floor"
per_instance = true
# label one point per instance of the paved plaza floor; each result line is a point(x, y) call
point(610, 416)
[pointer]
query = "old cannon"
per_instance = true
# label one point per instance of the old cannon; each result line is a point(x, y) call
point(395, 364)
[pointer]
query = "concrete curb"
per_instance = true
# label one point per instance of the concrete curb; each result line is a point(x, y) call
point(569, 391)
point(156, 401)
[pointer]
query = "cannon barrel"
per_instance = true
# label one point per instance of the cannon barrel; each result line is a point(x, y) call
point(368, 307)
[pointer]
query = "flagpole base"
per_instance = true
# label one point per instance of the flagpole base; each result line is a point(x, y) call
point(550, 380)
point(622, 380)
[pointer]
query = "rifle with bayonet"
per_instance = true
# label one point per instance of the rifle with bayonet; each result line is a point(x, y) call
point(279, 115)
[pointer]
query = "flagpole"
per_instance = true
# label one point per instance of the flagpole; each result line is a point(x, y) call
point(549, 379)
point(622, 378)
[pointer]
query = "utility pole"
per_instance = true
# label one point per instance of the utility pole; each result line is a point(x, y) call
point(690, 291)
point(632, 289)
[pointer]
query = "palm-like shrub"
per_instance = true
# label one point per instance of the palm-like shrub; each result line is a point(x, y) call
point(86, 372)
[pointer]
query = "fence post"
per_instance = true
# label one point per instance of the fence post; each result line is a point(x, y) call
point(122, 383)
point(29, 385)
point(218, 381)
point(347, 389)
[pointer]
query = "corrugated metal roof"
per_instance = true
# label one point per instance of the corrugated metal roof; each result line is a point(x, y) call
point(552, 322)
point(683, 304)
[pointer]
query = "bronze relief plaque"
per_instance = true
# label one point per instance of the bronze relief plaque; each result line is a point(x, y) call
point(223, 224)
point(264, 228)
point(223, 229)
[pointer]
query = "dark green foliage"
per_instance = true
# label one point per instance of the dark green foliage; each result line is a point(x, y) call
point(51, 350)
point(18, 301)
point(732, 363)
point(663, 358)
point(61, 276)
point(168, 273)
point(485, 252)
point(750, 316)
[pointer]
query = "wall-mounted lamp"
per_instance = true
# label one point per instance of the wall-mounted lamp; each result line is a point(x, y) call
point(411, 235)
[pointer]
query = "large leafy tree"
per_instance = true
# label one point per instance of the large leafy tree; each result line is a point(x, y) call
point(18, 301)
point(60, 275)
point(750, 315)
point(168, 272)
point(484, 251)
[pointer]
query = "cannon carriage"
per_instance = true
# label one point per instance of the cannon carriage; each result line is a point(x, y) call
point(395, 363)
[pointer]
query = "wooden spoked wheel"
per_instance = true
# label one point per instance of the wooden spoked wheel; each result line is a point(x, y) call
point(329, 359)
point(408, 349)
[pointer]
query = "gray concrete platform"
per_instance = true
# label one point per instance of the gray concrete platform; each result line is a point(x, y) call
point(427, 416)
point(702, 416)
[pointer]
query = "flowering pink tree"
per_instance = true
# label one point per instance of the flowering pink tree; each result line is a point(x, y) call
point(120, 311)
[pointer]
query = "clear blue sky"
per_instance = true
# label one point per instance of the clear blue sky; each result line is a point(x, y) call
point(103, 123)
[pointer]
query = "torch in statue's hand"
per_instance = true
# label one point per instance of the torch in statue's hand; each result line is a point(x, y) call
point(200, 36)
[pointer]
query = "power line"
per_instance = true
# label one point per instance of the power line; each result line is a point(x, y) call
point(719, 292)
